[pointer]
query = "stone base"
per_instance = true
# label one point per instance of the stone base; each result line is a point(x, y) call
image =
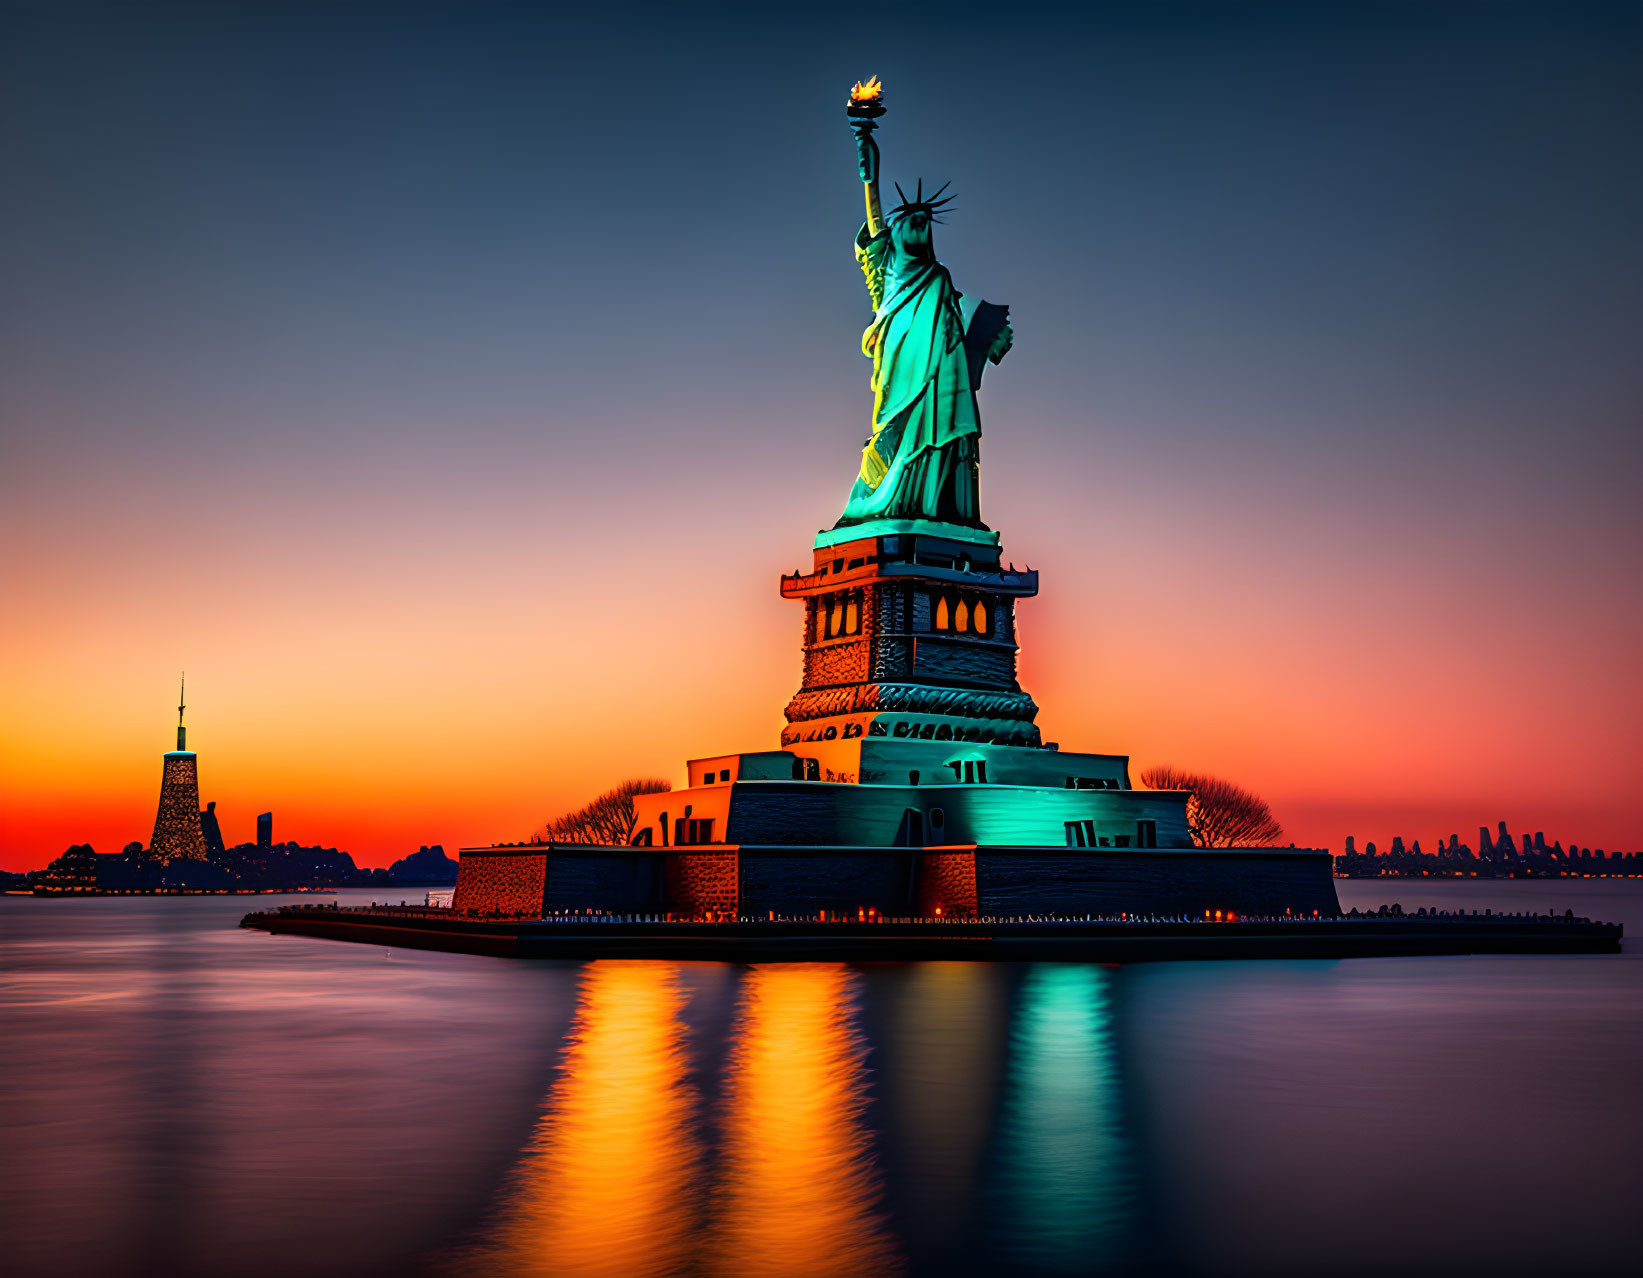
point(507, 884)
point(899, 527)
point(903, 725)
point(946, 885)
point(802, 882)
point(700, 884)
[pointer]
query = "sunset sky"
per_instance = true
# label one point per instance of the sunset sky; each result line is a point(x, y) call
point(446, 390)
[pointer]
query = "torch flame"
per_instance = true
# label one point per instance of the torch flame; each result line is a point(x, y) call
point(869, 92)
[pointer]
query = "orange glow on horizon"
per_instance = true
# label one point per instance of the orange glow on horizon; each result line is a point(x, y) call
point(380, 679)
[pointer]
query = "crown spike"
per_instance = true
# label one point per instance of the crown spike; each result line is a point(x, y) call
point(920, 202)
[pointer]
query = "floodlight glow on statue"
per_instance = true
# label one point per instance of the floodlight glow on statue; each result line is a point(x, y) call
point(929, 345)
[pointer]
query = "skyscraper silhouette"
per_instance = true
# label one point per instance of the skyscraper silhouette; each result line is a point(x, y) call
point(177, 832)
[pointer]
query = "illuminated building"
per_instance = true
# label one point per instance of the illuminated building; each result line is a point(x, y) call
point(177, 831)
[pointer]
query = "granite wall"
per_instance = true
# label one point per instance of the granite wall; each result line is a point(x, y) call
point(623, 881)
point(508, 883)
point(754, 881)
point(1257, 881)
point(700, 883)
point(946, 880)
point(839, 881)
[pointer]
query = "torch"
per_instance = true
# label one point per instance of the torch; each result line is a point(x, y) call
point(864, 106)
point(866, 100)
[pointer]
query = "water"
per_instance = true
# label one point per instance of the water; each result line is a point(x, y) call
point(178, 1096)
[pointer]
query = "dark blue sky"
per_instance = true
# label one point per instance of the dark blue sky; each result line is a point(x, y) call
point(1456, 184)
point(1350, 206)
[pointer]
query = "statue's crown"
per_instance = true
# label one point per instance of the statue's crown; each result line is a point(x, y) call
point(918, 204)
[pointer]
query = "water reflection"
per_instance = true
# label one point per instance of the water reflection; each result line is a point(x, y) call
point(1065, 1191)
point(945, 1053)
point(609, 1184)
point(798, 1194)
point(173, 1092)
point(186, 1097)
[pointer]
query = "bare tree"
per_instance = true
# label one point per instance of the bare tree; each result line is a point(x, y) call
point(608, 819)
point(1219, 814)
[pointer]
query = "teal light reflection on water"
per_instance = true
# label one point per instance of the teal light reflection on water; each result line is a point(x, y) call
point(1064, 1189)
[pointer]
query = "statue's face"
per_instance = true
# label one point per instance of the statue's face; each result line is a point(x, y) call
point(912, 233)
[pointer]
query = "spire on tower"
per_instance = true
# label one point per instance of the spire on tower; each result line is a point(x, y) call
point(182, 732)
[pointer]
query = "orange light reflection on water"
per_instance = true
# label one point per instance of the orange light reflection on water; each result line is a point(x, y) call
point(798, 1194)
point(609, 1183)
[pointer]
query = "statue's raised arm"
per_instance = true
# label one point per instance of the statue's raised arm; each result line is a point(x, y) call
point(865, 106)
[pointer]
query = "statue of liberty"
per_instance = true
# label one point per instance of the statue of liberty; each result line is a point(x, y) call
point(929, 345)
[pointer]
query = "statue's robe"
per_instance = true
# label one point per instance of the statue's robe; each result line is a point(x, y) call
point(928, 344)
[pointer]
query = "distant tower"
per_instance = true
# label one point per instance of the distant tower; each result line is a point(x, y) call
point(265, 830)
point(177, 832)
